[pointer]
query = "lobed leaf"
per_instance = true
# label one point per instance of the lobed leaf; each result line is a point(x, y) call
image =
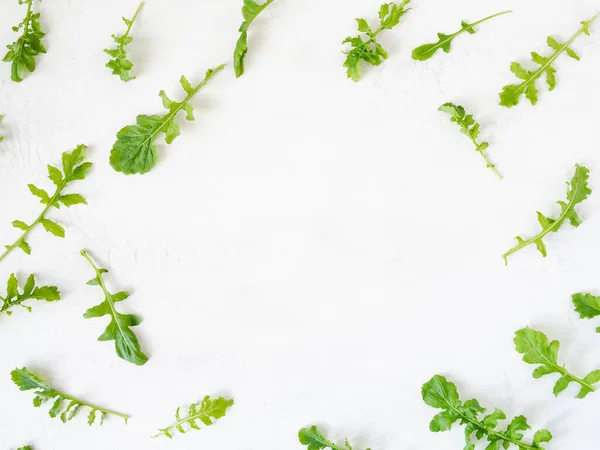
point(134, 151)
point(577, 192)
point(536, 349)
point(511, 93)
point(29, 381)
point(205, 412)
point(442, 394)
point(30, 292)
point(370, 51)
point(587, 305)
point(119, 330)
point(470, 128)
point(250, 11)
point(314, 439)
point(119, 64)
point(426, 51)
point(21, 53)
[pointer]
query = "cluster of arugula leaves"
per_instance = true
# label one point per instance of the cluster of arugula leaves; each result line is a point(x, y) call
point(119, 64)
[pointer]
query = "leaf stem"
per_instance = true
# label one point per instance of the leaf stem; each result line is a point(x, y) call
point(132, 21)
point(544, 232)
point(556, 54)
point(185, 420)
point(172, 114)
point(50, 204)
point(489, 165)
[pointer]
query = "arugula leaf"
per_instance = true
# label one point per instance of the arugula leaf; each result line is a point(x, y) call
point(135, 151)
point(442, 394)
point(577, 191)
point(424, 52)
point(315, 440)
point(587, 305)
point(204, 412)
point(127, 345)
point(119, 63)
point(28, 381)
point(21, 53)
point(30, 292)
point(470, 128)
point(511, 93)
point(370, 50)
point(250, 11)
point(27, 447)
point(74, 168)
point(536, 349)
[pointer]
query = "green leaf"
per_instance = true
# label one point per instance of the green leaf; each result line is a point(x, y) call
point(21, 53)
point(20, 225)
point(119, 64)
point(53, 227)
point(370, 51)
point(72, 199)
point(470, 128)
point(55, 175)
point(536, 349)
point(204, 412)
point(250, 11)
point(134, 151)
point(119, 330)
point(587, 305)
point(314, 439)
point(28, 381)
point(511, 93)
point(424, 52)
point(43, 195)
point(577, 192)
point(442, 394)
point(30, 292)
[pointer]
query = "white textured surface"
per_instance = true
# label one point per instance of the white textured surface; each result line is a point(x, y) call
point(315, 248)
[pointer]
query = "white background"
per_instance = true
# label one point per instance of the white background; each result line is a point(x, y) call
point(315, 248)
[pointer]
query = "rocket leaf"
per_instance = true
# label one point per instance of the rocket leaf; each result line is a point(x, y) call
point(135, 150)
point(30, 292)
point(511, 94)
point(587, 305)
point(536, 349)
point(314, 439)
point(119, 63)
point(469, 128)
point(21, 53)
point(28, 381)
point(442, 394)
point(74, 168)
point(250, 11)
point(369, 50)
point(127, 345)
point(204, 412)
point(426, 51)
point(577, 191)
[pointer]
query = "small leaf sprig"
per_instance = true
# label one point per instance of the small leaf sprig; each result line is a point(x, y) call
point(426, 51)
point(119, 330)
point(536, 349)
point(470, 128)
point(29, 381)
point(73, 168)
point(316, 440)
point(250, 11)
point(119, 64)
point(587, 305)
point(21, 53)
point(134, 151)
point(442, 394)
point(511, 93)
point(30, 292)
point(370, 51)
point(204, 412)
point(577, 192)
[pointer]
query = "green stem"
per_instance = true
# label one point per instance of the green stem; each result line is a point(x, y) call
point(133, 19)
point(556, 54)
point(50, 204)
point(27, 17)
point(544, 232)
point(489, 165)
point(93, 407)
point(172, 114)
